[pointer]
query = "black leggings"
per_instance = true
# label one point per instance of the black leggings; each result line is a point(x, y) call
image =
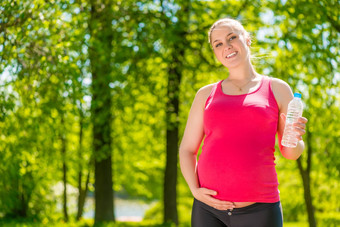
point(255, 215)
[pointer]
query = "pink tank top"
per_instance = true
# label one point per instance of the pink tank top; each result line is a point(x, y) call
point(237, 158)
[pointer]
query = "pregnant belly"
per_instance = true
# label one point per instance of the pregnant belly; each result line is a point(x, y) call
point(240, 181)
point(223, 180)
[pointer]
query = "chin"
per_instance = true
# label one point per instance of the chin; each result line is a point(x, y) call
point(232, 65)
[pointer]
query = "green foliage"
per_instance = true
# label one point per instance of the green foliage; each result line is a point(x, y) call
point(329, 219)
point(45, 77)
point(307, 58)
point(81, 223)
point(39, 73)
point(296, 224)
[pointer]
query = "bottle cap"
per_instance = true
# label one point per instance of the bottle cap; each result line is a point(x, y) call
point(297, 95)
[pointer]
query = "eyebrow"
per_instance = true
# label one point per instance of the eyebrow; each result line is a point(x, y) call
point(226, 36)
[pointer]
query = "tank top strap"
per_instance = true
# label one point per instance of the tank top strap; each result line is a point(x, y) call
point(212, 93)
point(267, 90)
point(267, 85)
point(270, 79)
point(266, 81)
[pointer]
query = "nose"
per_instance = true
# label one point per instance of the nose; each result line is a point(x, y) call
point(227, 47)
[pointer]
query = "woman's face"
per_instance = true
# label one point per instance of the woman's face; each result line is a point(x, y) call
point(230, 46)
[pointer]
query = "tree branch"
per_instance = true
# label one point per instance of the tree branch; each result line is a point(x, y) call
point(330, 19)
point(309, 151)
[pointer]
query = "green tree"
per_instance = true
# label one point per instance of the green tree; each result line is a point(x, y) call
point(39, 53)
point(142, 62)
point(176, 44)
point(307, 58)
point(100, 25)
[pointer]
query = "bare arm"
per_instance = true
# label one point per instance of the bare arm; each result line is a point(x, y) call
point(190, 144)
point(284, 95)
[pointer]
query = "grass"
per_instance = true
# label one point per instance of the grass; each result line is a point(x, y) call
point(89, 222)
point(295, 224)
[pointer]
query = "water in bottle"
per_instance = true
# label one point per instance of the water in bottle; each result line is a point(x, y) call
point(295, 108)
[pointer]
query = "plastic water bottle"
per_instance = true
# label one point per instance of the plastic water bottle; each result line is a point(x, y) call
point(295, 108)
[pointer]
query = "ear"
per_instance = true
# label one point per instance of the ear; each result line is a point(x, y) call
point(248, 42)
point(247, 38)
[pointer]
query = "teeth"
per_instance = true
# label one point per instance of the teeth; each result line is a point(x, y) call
point(230, 55)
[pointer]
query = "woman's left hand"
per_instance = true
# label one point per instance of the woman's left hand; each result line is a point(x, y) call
point(299, 126)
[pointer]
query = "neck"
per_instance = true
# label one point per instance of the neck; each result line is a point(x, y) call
point(242, 72)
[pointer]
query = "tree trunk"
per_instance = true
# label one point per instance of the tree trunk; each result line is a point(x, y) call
point(305, 174)
point(80, 187)
point(82, 192)
point(170, 177)
point(172, 140)
point(65, 192)
point(82, 196)
point(100, 57)
point(172, 115)
point(103, 194)
point(63, 153)
point(24, 206)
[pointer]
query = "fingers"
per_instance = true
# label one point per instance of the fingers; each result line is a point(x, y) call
point(207, 197)
point(220, 202)
point(300, 126)
point(208, 191)
point(302, 120)
point(219, 207)
point(222, 205)
point(283, 116)
point(301, 123)
point(300, 132)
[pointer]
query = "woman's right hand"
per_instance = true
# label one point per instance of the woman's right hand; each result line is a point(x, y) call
point(206, 196)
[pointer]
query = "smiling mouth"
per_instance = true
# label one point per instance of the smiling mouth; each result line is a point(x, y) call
point(231, 55)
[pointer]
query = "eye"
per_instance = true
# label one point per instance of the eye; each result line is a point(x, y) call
point(232, 38)
point(218, 44)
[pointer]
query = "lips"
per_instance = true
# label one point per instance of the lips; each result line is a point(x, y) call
point(231, 55)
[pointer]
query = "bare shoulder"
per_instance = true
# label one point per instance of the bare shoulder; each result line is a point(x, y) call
point(279, 84)
point(204, 92)
point(201, 97)
point(282, 92)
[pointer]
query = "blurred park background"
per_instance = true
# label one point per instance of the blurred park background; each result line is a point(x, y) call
point(94, 97)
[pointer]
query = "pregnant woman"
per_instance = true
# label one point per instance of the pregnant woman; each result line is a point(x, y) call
point(234, 182)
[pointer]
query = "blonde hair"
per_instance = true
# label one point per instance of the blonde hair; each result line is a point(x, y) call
point(231, 22)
